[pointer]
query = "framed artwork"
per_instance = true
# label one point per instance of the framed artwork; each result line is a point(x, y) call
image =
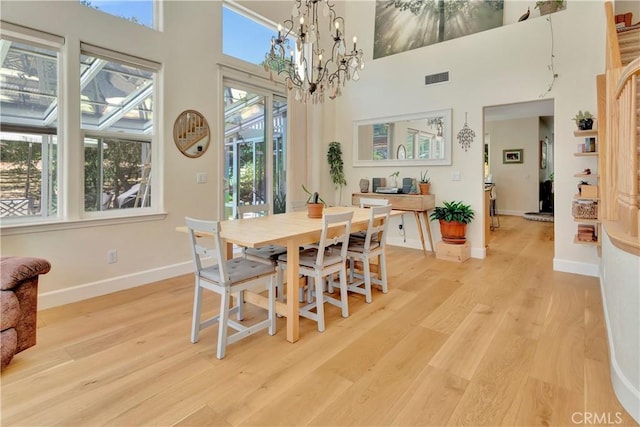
point(543, 155)
point(411, 24)
point(512, 156)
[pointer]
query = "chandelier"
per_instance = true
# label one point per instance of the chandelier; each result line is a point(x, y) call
point(313, 72)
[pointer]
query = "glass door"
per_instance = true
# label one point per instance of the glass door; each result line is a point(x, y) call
point(255, 126)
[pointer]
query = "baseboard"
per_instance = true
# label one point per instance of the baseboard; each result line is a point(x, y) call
point(627, 394)
point(480, 253)
point(509, 212)
point(575, 267)
point(114, 284)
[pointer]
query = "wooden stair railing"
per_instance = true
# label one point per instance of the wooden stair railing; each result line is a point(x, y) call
point(619, 130)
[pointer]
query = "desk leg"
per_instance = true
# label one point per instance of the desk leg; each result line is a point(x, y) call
point(419, 224)
point(293, 325)
point(428, 224)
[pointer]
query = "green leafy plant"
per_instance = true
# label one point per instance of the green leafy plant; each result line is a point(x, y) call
point(424, 178)
point(582, 116)
point(313, 197)
point(453, 212)
point(336, 166)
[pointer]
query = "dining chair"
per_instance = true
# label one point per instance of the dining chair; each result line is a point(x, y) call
point(372, 246)
point(367, 202)
point(226, 277)
point(268, 253)
point(328, 258)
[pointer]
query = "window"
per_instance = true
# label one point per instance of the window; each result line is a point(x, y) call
point(139, 11)
point(117, 120)
point(381, 140)
point(28, 128)
point(239, 35)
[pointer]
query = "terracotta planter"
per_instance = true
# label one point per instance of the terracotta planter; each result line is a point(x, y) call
point(424, 187)
point(314, 210)
point(453, 232)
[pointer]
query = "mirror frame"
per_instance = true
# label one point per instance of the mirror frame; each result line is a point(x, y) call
point(406, 162)
point(191, 143)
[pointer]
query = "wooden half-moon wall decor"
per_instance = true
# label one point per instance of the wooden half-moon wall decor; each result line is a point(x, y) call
point(191, 133)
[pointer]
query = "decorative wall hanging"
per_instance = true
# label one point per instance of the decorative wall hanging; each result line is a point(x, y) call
point(191, 133)
point(466, 135)
point(410, 24)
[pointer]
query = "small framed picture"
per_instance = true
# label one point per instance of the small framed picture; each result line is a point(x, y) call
point(512, 156)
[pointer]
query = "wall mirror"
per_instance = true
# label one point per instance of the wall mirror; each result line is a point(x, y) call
point(191, 133)
point(408, 140)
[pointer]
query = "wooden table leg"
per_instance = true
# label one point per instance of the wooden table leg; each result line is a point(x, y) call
point(293, 321)
point(419, 224)
point(428, 224)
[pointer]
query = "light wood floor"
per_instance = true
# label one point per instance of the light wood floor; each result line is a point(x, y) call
point(501, 341)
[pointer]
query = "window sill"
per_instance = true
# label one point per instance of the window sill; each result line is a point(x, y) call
point(57, 225)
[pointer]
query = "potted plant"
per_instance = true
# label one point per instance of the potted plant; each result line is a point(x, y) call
point(315, 204)
point(425, 182)
point(549, 6)
point(334, 157)
point(584, 121)
point(453, 218)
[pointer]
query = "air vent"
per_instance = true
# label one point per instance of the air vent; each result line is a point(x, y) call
point(436, 78)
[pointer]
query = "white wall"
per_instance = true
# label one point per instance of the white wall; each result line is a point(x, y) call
point(517, 184)
point(500, 66)
point(620, 285)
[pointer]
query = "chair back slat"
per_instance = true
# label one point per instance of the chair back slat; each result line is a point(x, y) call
point(339, 223)
point(378, 223)
point(243, 210)
point(367, 202)
point(199, 231)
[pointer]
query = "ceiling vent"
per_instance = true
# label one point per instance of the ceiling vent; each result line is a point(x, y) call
point(436, 78)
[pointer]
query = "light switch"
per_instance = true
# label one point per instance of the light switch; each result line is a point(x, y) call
point(455, 176)
point(201, 177)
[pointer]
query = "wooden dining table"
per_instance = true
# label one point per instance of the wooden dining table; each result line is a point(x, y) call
point(293, 230)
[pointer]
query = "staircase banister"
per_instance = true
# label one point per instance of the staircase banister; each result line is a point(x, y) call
point(629, 70)
point(613, 49)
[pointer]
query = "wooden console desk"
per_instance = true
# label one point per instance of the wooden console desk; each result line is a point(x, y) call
point(417, 203)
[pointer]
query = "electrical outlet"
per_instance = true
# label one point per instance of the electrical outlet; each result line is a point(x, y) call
point(455, 176)
point(112, 256)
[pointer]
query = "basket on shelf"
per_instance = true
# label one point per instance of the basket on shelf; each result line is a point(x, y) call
point(585, 209)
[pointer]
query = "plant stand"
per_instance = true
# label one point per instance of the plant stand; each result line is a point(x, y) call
point(455, 253)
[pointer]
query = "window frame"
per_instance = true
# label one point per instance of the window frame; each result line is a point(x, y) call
point(71, 213)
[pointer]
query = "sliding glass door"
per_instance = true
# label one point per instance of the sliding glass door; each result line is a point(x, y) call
point(255, 127)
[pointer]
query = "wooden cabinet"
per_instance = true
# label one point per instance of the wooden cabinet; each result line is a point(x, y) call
point(585, 205)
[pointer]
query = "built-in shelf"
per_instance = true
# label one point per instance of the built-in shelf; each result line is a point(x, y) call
point(580, 242)
point(589, 154)
point(585, 133)
point(586, 221)
point(585, 175)
point(579, 197)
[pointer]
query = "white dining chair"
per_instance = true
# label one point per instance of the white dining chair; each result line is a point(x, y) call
point(328, 258)
point(367, 202)
point(268, 253)
point(226, 277)
point(365, 250)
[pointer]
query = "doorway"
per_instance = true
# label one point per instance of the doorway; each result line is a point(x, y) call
point(518, 161)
